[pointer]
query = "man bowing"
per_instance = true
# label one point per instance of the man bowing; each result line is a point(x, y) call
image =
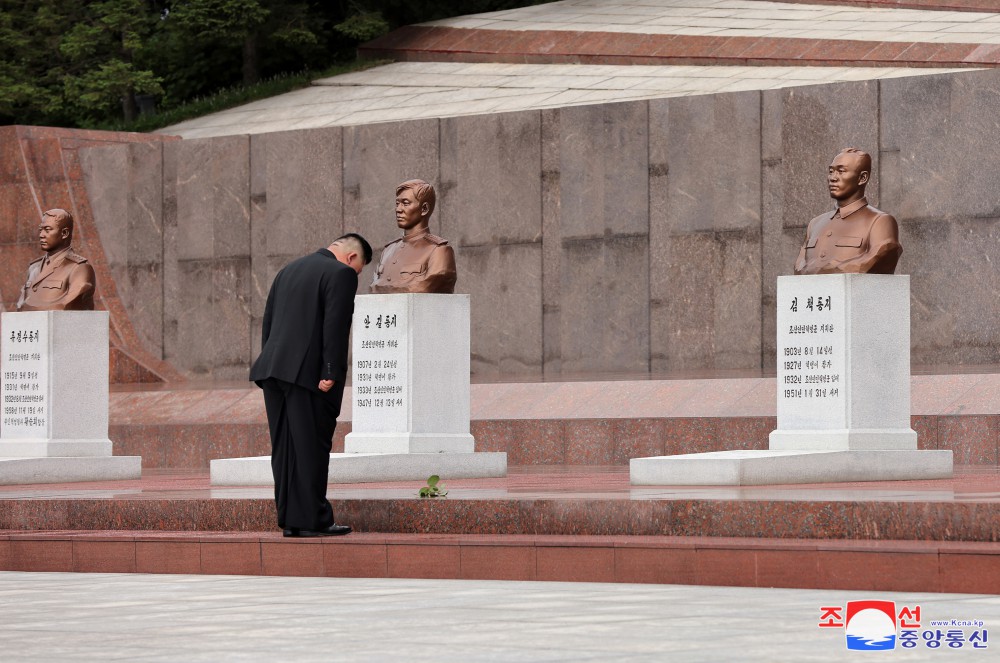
point(301, 368)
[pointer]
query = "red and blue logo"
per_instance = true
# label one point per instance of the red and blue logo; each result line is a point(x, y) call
point(871, 625)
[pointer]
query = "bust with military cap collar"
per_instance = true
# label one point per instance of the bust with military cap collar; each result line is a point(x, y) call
point(62, 279)
point(855, 237)
point(418, 261)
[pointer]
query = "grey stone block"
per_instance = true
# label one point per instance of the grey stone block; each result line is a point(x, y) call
point(377, 157)
point(145, 203)
point(551, 245)
point(213, 198)
point(490, 185)
point(705, 218)
point(303, 196)
point(817, 121)
point(604, 313)
point(707, 291)
point(950, 329)
point(103, 171)
point(942, 144)
point(212, 319)
point(505, 286)
point(603, 170)
point(713, 158)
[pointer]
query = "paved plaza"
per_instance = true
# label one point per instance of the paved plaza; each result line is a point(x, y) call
point(105, 617)
point(458, 86)
point(744, 18)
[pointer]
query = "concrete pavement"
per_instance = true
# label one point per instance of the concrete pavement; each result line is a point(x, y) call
point(105, 617)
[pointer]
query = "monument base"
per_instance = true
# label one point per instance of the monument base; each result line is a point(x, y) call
point(843, 439)
point(67, 469)
point(402, 443)
point(42, 448)
point(370, 468)
point(757, 468)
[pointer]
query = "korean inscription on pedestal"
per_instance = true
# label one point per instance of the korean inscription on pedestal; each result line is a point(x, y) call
point(811, 357)
point(25, 377)
point(380, 367)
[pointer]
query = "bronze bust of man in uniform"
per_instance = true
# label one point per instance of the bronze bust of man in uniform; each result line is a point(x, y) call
point(62, 279)
point(855, 237)
point(418, 261)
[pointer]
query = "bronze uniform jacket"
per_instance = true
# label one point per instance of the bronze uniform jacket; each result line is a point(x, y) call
point(307, 324)
point(836, 243)
point(65, 284)
point(422, 263)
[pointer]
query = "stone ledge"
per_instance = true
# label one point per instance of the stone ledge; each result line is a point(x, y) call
point(369, 468)
point(845, 565)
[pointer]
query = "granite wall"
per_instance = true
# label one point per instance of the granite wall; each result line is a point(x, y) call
point(618, 238)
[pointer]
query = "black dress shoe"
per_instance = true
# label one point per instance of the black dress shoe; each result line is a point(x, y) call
point(332, 530)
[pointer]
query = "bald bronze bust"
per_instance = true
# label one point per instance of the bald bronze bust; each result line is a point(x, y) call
point(62, 279)
point(418, 261)
point(855, 237)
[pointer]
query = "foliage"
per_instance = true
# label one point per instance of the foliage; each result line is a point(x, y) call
point(363, 27)
point(432, 489)
point(228, 98)
point(72, 63)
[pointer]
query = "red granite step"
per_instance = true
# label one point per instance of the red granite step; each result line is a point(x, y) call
point(748, 562)
point(424, 43)
point(574, 501)
point(974, 439)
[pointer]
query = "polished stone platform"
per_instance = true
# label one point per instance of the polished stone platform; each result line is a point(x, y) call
point(368, 467)
point(56, 469)
point(569, 523)
point(764, 467)
point(582, 422)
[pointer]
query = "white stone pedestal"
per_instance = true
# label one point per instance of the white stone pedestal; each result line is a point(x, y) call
point(410, 398)
point(411, 374)
point(843, 394)
point(54, 368)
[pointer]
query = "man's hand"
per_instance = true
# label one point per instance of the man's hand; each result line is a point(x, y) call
point(325, 385)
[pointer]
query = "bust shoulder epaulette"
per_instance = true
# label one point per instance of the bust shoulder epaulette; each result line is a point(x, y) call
point(434, 239)
point(75, 257)
point(398, 239)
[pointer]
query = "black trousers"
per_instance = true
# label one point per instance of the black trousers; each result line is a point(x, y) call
point(302, 425)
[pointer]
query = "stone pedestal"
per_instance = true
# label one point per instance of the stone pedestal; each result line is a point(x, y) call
point(410, 398)
point(55, 399)
point(843, 394)
point(843, 363)
point(411, 374)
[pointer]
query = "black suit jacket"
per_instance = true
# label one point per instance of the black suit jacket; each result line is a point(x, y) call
point(307, 324)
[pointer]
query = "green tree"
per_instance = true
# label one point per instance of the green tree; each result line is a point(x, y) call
point(101, 50)
point(31, 68)
point(226, 21)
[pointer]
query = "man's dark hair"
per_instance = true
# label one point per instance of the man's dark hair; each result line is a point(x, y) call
point(366, 248)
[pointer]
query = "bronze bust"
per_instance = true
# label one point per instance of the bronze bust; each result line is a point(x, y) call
point(855, 237)
point(62, 279)
point(418, 261)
